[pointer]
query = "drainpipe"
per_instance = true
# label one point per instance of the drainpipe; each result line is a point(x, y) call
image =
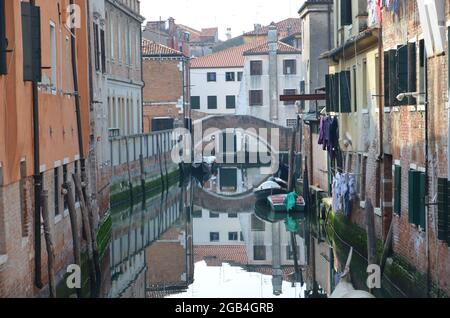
point(380, 91)
point(37, 185)
point(427, 172)
point(142, 80)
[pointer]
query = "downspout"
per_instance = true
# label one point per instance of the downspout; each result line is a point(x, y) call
point(427, 172)
point(142, 80)
point(37, 185)
point(380, 91)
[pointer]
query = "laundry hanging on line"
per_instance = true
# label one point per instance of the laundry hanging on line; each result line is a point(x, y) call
point(343, 192)
point(329, 135)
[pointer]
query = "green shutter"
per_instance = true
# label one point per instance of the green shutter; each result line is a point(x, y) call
point(414, 193)
point(345, 92)
point(421, 218)
point(393, 78)
point(3, 41)
point(448, 212)
point(402, 72)
point(412, 71)
point(398, 190)
point(335, 107)
point(387, 101)
point(346, 12)
point(443, 210)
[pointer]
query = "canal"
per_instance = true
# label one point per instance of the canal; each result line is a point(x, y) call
point(180, 240)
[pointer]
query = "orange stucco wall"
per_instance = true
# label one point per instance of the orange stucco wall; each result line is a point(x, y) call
point(57, 116)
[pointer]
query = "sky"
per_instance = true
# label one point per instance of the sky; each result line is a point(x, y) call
point(239, 15)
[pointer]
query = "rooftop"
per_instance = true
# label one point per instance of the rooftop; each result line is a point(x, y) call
point(150, 48)
point(283, 48)
point(285, 28)
point(232, 57)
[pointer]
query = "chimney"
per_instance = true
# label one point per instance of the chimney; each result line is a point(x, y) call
point(172, 26)
point(228, 34)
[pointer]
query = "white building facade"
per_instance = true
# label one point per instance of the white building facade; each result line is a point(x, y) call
point(123, 66)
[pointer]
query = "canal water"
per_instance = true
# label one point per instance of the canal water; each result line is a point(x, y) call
point(182, 241)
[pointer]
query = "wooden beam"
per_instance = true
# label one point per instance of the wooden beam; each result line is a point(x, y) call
point(304, 97)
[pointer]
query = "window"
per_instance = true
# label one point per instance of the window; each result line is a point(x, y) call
point(213, 215)
point(211, 76)
point(231, 102)
point(241, 237)
point(230, 76)
point(23, 197)
point(397, 190)
point(103, 51)
point(56, 190)
point(290, 92)
point(112, 35)
point(257, 224)
point(256, 68)
point(65, 180)
point(96, 48)
point(365, 101)
point(233, 236)
point(290, 252)
point(197, 214)
point(345, 92)
point(53, 56)
point(259, 253)
point(346, 12)
point(232, 215)
point(212, 102)
point(444, 210)
point(291, 123)
point(289, 67)
point(195, 102)
point(239, 76)
point(416, 198)
point(422, 72)
point(119, 41)
point(214, 236)
point(256, 98)
point(31, 41)
point(302, 92)
point(362, 193)
point(338, 92)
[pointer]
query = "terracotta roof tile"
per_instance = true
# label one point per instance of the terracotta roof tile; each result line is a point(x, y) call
point(285, 28)
point(232, 57)
point(264, 49)
point(150, 48)
point(215, 255)
point(209, 32)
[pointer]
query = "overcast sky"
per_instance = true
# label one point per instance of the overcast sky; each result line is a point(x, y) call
point(239, 15)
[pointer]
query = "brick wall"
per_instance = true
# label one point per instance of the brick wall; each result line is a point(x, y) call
point(405, 135)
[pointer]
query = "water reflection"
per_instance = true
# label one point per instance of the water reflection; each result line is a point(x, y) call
point(167, 246)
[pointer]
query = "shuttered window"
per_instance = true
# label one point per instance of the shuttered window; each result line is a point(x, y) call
point(398, 190)
point(96, 48)
point(103, 50)
point(402, 72)
point(31, 40)
point(212, 102)
point(412, 71)
point(387, 82)
point(256, 98)
point(345, 92)
point(290, 92)
point(444, 210)
point(3, 41)
point(328, 93)
point(195, 102)
point(416, 198)
point(231, 102)
point(346, 12)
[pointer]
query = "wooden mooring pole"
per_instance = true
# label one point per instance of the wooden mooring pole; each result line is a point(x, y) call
point(49, 245)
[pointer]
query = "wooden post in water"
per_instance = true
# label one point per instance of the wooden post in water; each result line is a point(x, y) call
point(88, 232)
point(387, 247)
point(371, 255)
point(74, 225)
point(49, 245)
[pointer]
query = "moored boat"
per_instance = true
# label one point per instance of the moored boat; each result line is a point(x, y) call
point(277, 203)
point(267, 189)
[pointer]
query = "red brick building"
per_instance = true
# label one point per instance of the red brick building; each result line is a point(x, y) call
point(166, 91)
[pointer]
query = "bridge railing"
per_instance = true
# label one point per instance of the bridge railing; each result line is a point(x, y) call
point(129, 148)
